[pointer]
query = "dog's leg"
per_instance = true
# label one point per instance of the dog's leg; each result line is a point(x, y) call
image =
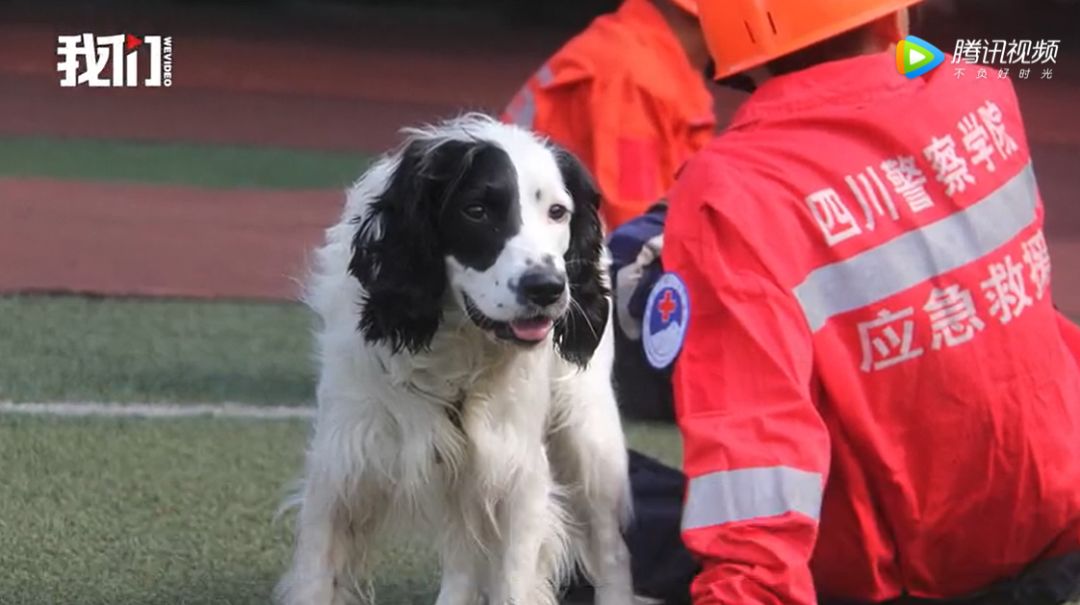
point(332, 543)
point(589, 454)
point(461, 567)
point(533, 542)
point(318, 575)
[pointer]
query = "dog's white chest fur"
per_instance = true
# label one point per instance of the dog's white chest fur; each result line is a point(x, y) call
point(473, 409)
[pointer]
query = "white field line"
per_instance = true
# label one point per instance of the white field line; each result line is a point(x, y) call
point(151, 410)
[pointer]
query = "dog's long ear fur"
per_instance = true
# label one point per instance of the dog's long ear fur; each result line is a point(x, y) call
point(397, 252)
point(579, 332)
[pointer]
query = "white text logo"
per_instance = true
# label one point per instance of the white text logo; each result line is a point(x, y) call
point(114, 61)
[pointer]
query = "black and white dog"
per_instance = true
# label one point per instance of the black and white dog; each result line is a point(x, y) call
point(465, 391)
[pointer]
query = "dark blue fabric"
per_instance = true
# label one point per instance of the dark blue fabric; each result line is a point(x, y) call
point(626, 241)
point(663, 568)
point(644, 393)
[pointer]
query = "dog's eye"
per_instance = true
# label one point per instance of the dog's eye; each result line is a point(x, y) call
point(558, 212)
point(476, 212)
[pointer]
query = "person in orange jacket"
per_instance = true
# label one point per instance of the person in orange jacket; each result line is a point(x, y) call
point(878, 400)
point(629, 97)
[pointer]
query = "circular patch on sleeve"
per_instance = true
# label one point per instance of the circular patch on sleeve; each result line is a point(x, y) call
point(667, 314)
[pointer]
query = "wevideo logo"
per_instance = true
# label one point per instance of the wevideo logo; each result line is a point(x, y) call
point(916, 57)
point(114, 61)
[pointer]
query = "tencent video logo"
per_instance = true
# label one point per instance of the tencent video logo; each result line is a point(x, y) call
point(916, 57)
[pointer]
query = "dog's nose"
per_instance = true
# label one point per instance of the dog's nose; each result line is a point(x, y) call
point(542, 287)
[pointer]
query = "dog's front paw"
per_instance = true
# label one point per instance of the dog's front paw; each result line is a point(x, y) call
point(321, 591)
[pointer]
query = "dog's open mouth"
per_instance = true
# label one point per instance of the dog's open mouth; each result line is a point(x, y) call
point(533, 329)
point(528, 330)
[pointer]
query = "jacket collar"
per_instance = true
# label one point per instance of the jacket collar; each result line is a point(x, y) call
point(859, 80)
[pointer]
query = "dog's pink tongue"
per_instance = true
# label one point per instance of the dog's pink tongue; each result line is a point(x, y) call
point(531, 330)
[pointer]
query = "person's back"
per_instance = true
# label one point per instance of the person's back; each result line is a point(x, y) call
point(872, 343)
point(625, 96)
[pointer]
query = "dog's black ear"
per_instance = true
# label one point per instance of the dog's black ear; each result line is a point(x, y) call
point(397, 252)
point(579, 332)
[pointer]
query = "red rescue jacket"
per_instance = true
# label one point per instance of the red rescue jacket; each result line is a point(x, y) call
point(876, 394)
point(623, 96)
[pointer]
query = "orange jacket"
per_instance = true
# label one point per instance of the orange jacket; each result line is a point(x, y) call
point(623, 97)
point(876, 395)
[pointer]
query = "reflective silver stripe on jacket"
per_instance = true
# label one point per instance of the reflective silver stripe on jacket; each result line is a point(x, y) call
point(919, 255)
point(752, 493)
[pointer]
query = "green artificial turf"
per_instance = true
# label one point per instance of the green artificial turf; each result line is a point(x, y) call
point(177, 163)
point(78, 349)
point(111, 511)
point(170, 512)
